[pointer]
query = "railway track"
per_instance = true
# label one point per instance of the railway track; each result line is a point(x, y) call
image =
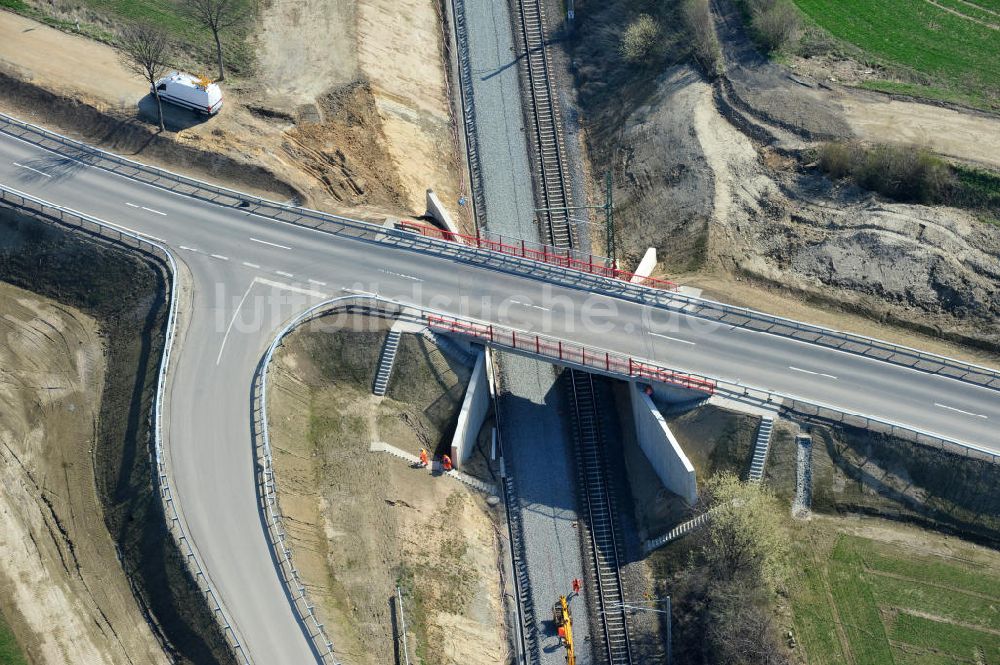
point(600, 509)
point(546, 131)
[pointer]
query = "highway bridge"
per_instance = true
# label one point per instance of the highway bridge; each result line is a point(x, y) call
point(243, 275)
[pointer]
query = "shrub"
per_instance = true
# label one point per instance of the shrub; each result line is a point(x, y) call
point(697, 19)
point(906, 173)
point(775, 23)
point(640, 39)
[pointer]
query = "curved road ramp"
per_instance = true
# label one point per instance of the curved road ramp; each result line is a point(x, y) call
point(246, 268)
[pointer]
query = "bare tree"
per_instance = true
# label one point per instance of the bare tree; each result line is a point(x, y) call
point(144, 50)
point(218, 15)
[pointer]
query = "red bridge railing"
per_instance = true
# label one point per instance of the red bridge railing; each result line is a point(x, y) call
point(565, 258)
point(569, 352)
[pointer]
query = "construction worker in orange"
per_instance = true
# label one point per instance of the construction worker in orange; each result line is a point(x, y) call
point(446, 463)
point(423, 458)
point(576, 586)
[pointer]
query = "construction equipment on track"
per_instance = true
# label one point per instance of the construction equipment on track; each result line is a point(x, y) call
point(564, 624)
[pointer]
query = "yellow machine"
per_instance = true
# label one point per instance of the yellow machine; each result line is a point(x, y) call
point(564, 624)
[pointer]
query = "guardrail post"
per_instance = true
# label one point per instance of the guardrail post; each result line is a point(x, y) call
point(560, 350)
point(607, 361)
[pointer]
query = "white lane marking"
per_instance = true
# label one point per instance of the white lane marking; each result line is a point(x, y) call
point(190, 249)
point(316, 282)
point(524, 304)
point(968, 413)
point(806, 371)
point(675, 339)
point(219, 256)
point(47, 175)
point(155, 211)
point(233, 320)
point(131, 205)
point(290, 287)
point(283, 273)
point(251, 265)
point(399, 274)
point(272, 244)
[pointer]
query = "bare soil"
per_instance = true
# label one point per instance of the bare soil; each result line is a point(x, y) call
point(64, 591)
point(363, 522)
point(712, 176)
point(87, 274)
point(313, 125)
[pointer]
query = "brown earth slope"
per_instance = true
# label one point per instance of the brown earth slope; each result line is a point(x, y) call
point(64, 590)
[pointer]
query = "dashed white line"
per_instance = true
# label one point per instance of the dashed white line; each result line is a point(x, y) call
point(131, 205)
point(399, 274)
point(283, 273)
point(219, 256)
point(272, 244)
point(316, 282)
point(153, 211)
point(968, 413)
point(524, 304)
point(190, 249)
point(42, 173)
point(806, 371)
point(674, 339)
point(251, 265)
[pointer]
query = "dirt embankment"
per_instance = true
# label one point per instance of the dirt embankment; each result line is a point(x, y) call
point(65, 593)
point(362, 522)
point(335, 117)
point(89, 276)
point(701, 176)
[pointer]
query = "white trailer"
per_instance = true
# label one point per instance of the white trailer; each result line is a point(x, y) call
point(192, 92)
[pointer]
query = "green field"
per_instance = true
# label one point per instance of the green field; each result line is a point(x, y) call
point(872, 603)
point(953, 56)
point(10, 651)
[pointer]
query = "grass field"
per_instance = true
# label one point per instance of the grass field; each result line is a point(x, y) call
point(950, 43)
point(868, 602)
point(99, 19)
point(10, 650)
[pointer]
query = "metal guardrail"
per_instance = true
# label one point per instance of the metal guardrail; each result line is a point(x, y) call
point(690, 305)
point(175, 523)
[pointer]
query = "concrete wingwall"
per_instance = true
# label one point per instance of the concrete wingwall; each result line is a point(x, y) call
point(475, 406)
point(661, 448)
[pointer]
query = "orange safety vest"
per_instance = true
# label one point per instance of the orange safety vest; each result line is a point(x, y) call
point(423, 457)
point(446, 462)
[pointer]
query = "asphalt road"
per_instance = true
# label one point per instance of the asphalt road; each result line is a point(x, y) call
point(248, 274)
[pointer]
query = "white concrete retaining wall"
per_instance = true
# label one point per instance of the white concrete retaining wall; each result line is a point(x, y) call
point(646, 265)
point(660, 446)
point(474, 409)
point(436, 210)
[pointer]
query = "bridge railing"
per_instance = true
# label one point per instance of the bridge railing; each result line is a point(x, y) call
point(561, 352)
point(563, 257)
point(666, 299)
point(175, 522)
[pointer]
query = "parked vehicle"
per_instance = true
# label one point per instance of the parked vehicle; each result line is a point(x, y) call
point(192, 92)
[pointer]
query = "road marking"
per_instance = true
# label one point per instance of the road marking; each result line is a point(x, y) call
point(219, 256)
point(283, 273)
point(806, 371)
point(399, 274)
point(272, 244)
point(190, 249)
point(524, 304)
point(290, 287)
point(233, 320)
point(43, 173)
point(316, 282)
point(154, 211)
point(251, 265)
point(968, 413)
point(675, 339)
point(131, 205)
